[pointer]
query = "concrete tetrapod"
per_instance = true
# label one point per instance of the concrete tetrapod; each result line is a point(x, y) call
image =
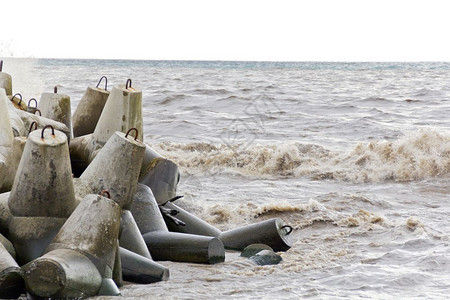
point(146, 211)
point(39, 205)
point(5, 80)
point(80, 260)
point(11, 280)
point(131, 238)
point(89, 109)
point(162, 176)
point(194, 225)
point(17, 102)
point(183, 247)
point(122, 110)
point(56, 107)
point(139, 269)
point(124, 155)
point(165, 245)
point(21, 122)
point(273, 232)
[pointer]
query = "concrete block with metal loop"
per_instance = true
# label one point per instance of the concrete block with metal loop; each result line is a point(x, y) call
point(17, 101)
point(41, 203)
point(32, 109)
point(123, 154)
point(79, 262)
point(165, 245)
point(11, 147)
point(89, 109)
point(56, 107)
point(273, 232)
point(123, 110)
point(21, 121)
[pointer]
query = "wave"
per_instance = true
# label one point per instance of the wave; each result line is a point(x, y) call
point(415, 156)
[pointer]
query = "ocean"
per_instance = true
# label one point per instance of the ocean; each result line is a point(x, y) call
point(354, 156)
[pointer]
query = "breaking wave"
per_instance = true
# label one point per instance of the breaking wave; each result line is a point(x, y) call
point(414, 156)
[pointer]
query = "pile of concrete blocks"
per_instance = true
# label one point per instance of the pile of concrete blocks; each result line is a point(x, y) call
point(85, 204)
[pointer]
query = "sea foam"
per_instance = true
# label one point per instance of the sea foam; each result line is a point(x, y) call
point(418, 155)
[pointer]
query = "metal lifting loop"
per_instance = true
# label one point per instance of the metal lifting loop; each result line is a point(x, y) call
point(106, 82)
point(135, 136)
point(35, 101)
point(126, 84)
point(31, 127)
point(289, 229)
point(19, 96)
point(105, 192)
point(37, 110)
point(55, 89)
point(45, 127)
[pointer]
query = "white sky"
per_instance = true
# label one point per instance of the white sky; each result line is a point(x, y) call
point(314, 30)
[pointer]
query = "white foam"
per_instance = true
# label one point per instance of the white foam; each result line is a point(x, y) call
point(418, 155)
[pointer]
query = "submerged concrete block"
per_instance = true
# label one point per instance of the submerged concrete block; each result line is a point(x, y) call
point(273, 233)
point(266, 257)
point(252, 249)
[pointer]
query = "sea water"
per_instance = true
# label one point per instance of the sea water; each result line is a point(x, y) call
point(354, 156)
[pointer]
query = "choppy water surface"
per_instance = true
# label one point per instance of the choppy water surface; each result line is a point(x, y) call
point(355, 156)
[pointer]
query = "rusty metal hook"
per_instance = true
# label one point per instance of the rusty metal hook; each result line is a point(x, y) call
point(45, 127)
point(55, 89)
point(35, 101)
point(31, 127)
point(20, 97)
point(37, 110)
point(105, 192)
point(135, 136)
point(126, 84)
point(106, 82)
point(289, 229)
